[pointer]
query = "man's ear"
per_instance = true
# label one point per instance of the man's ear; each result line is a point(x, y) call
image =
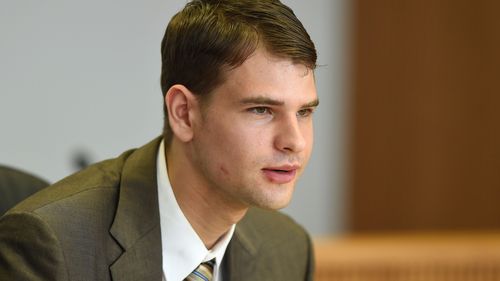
point(182, 106)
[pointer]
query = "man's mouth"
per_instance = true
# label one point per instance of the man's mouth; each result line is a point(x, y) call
point(282, 174)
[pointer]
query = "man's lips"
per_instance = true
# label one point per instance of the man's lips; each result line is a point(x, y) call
point(281, 174)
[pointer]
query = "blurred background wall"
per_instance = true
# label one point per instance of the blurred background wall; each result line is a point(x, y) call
point(79, 83)
point(405, 177)
point(407, 134)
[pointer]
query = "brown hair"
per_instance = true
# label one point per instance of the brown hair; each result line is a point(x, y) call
point(208, 37)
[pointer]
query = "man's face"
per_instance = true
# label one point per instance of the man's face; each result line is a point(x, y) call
point(256, 133)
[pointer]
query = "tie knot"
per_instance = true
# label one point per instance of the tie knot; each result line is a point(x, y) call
point(203, 272)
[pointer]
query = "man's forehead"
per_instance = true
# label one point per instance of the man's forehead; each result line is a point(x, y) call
point(267, 79)
point(262, 57)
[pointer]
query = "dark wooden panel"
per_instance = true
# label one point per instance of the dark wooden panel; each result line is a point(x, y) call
point(426, 115)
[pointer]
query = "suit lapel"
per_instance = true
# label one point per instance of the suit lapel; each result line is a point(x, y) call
point(241, 258)
point(137, 223)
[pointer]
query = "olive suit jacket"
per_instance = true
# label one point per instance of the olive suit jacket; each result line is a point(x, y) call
point(103, 224)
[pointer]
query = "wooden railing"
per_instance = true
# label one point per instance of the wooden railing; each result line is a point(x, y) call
point(409, 257)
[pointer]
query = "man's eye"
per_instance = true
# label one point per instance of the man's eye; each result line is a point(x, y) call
point(260, 110)
point(304, 112)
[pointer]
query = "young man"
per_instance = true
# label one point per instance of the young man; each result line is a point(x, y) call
point(239, 93)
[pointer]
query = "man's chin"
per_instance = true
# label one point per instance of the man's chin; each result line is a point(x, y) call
point(275, 207)
point(275, 203)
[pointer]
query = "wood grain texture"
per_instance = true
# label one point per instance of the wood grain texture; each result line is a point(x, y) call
point(426, 116)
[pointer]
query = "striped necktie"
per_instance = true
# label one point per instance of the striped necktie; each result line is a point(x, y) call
point(202, 273)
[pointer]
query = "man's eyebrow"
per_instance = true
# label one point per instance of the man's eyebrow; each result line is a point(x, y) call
point(313, 103)
point(269, 101)
point(261, 100)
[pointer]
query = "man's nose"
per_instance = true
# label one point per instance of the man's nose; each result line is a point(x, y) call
point(289, 137)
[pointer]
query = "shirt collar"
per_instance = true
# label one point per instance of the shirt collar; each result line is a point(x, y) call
point(182, 248)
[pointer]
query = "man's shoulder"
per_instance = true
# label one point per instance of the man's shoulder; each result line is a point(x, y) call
point(88, 216)
point(81, 187)
point(63, 221)
point(91, 186)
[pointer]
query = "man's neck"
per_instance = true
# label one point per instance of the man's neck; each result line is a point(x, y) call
point(210, 213)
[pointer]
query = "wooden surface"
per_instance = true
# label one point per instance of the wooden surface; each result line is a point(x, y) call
point(408, 257)
point(425, 115)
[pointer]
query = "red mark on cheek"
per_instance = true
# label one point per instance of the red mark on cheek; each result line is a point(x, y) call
point(224, 170)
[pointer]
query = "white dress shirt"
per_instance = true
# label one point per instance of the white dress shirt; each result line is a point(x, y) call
point(182, 248)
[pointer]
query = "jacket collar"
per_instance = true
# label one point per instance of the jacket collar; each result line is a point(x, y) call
point(240, 258)
point(137, 223)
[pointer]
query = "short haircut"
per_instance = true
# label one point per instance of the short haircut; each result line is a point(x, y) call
point(208, 37)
